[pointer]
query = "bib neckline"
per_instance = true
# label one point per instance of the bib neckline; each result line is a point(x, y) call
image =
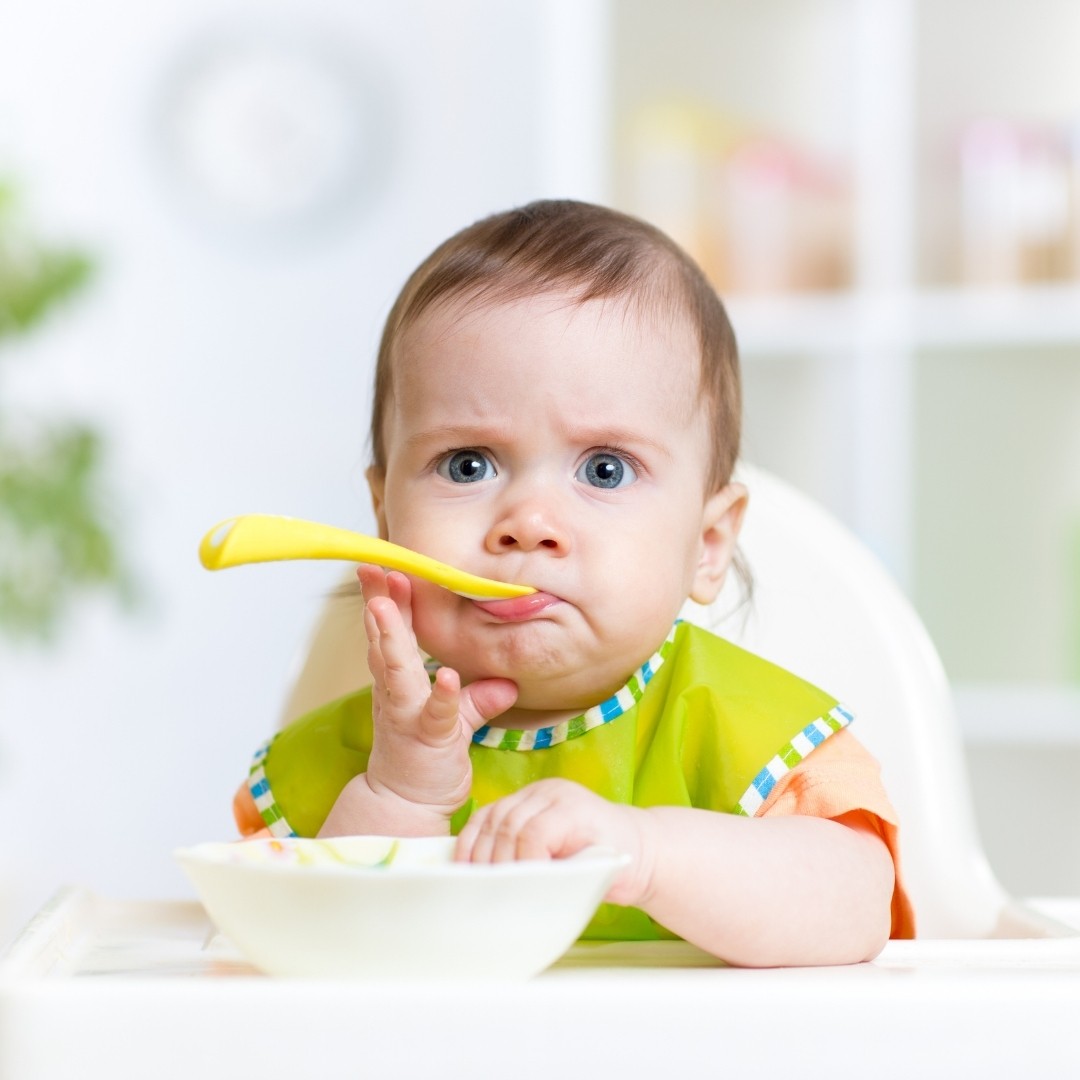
point(622, 701)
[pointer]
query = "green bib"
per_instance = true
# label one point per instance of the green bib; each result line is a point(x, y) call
point(702, 724)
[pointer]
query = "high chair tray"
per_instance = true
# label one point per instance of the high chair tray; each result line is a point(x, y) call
point(136, 988)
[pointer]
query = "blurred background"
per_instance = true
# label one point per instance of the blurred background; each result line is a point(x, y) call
point(206, 209)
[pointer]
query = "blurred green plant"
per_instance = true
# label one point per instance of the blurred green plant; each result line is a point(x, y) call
point(56, 540)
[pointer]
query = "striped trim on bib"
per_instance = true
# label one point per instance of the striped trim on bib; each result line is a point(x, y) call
point(620, 702)
point(259, 787)
point(789, 756)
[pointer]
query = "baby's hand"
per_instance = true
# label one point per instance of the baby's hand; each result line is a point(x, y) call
point(422, 732)
point(556, 818)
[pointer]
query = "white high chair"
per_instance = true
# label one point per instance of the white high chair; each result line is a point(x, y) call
point(824, 608)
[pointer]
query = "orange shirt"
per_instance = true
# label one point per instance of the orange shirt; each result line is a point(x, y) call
point(842, 777)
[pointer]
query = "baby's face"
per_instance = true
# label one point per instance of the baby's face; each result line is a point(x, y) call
point(563, 446)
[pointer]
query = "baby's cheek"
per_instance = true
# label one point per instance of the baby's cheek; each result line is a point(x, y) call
point(436, 622)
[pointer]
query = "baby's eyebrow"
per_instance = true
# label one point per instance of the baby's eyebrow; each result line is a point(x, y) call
point(460, 435)
point(499, 434)
point(629, 439)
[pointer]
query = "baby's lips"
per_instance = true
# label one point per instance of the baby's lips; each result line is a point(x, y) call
point(520, 607)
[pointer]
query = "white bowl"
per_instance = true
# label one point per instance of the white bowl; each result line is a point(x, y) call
point(385, 908)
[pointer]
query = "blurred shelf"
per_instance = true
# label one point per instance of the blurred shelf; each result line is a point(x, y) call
point(809, 324)
point(795, 324)
point(995, 318)
point(923, 371)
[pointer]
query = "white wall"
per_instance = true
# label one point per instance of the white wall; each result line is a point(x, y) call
point(230, 367)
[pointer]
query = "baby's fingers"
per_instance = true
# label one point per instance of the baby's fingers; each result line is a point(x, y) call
point(485, 699)
point(376, 582)
point(372, 581)
point(525, 825)
point(374, 658)
point(439, 719)
point(397, 669)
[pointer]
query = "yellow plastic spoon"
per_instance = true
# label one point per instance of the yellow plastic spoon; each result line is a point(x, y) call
point(252, 538)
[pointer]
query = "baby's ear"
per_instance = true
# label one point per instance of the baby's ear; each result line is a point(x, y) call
point(721, 520)
point(376, 479)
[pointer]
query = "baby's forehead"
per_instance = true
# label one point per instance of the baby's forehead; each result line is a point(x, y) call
point(642, 319)
point(601, 357)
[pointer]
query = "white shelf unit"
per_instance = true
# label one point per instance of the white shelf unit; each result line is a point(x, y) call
point(848, 95)
point(887, 398)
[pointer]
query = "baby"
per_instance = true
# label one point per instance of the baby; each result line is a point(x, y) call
point(557, 404)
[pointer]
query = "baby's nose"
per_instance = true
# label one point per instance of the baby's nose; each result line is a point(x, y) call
point(529, 526)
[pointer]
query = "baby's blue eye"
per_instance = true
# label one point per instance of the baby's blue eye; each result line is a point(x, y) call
point(466, 467)
point(606, 470)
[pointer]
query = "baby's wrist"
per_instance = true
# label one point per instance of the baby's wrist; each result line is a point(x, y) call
point(411, 817)
point(637, 886)
point(433, 796)
point(367, 807)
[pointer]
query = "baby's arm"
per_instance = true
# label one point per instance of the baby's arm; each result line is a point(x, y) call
point(759, 892)
point(770, 891)
point(418, 772)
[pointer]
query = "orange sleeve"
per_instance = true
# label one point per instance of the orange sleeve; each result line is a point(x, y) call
point(841, 777)
point(248, 819)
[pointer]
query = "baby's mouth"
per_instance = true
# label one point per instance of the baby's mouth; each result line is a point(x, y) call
point(519, 608)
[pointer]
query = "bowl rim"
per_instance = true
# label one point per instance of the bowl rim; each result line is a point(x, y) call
point(588, 859)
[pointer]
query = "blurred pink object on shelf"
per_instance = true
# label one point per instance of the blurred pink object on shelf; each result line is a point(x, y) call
point(787, 220)
point(1014, 204)
point(758, 212)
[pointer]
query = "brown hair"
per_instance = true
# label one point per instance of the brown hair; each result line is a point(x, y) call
point(593, 253)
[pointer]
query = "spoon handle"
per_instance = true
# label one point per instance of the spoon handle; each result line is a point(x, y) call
point(253, 538)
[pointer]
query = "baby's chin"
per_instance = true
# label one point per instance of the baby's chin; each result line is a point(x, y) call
point(557, 665)
point(565, 692)
point(529, 652)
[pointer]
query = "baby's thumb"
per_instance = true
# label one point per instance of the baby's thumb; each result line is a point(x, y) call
point(485, 699)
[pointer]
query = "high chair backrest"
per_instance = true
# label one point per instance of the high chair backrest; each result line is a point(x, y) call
point(823, 607)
